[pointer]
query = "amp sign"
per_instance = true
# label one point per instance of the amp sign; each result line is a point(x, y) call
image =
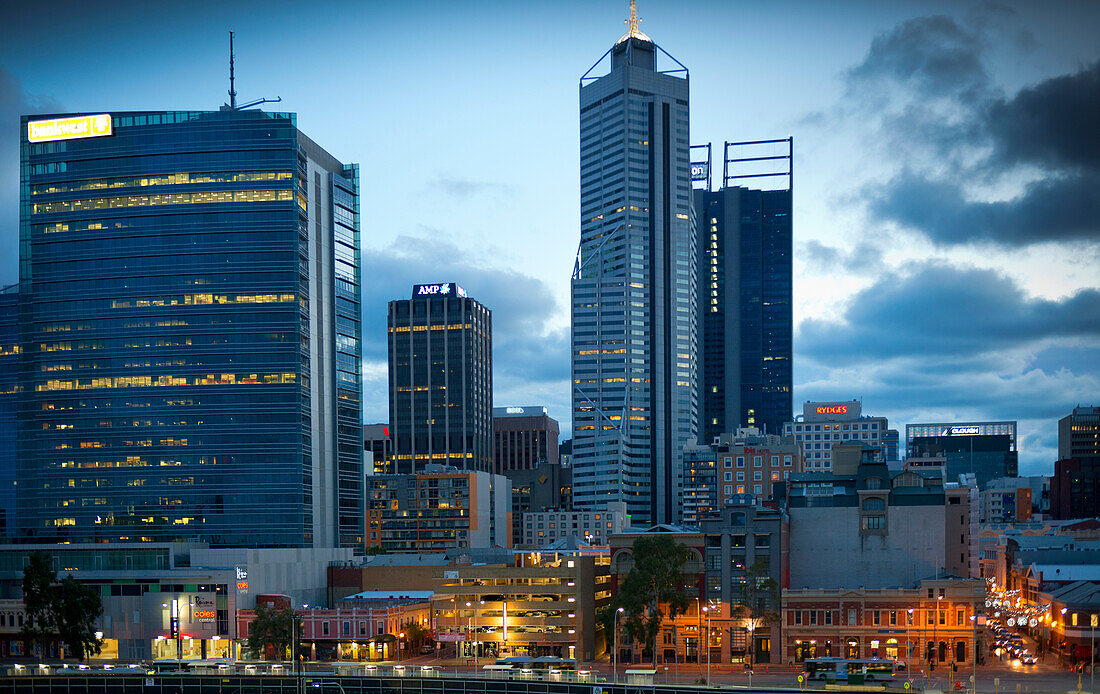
point(444, 289)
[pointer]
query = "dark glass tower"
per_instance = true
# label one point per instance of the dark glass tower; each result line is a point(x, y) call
point(189, 287)
point(634, 321)
point(9, 392)
point(745, 290)
point(441, 380)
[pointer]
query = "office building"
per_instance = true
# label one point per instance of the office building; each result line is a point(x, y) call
point(543, 528)
point(441, 380)
point(744, 287)
point(1075, 488)
point(138, 582)
point(746, 462)
point(1079, 433)
point(547, 487)
point(438, 509)
point(190, 321)
point(986, 450)
point(1016, 499)
point(377, 449)
point(538, 604)
point(824, 424)
point(634, 335)
point(9, 399)
point(523, 438)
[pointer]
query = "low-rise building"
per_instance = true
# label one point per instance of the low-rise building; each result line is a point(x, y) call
point(363, 627)
point(541, 603)
point(931, 622)
point(438, 509)
point(589, 527)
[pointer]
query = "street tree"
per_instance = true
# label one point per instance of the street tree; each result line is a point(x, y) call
point(757, 602)
point(653, 589)
point(415, 634)
point(64, 611)
point(272, 628)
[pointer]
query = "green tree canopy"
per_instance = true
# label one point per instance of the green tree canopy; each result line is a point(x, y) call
point(415, 634)
point(272, 627)
point(652, 589)
point(758, 600)
point(64, 611)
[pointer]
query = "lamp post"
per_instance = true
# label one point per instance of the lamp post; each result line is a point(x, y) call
point(615, 646)
point(400, 636)
point(908, 645)
point(935, 629)
point(752, 644)
point(476, 640)
point(706, 642)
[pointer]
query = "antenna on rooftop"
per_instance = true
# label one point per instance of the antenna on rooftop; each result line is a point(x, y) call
point(232, 105)
point(232, 91)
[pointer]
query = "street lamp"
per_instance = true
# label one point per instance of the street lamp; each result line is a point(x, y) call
point(908, 645)
point(752, 645)
point(706, 642)
point(400, 636)
point(470, 624)
point(935, 628)
point(615, 651)
point(974, 655)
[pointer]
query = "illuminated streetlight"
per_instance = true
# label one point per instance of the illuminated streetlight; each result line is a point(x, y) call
point(615, 652)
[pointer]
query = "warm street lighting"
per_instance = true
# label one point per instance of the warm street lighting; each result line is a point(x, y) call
point(706, 642)
point(615, 652)
point(908, 645)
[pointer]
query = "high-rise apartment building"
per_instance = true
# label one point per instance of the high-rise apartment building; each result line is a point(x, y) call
point(744, 290)
point(441, 380)
point(378, 449)
point(986, 450)
point(634, 333)
point(523, 438)
point(1079, 433)
point(190, 328)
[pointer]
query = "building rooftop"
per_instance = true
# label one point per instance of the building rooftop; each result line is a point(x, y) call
point(419, 595)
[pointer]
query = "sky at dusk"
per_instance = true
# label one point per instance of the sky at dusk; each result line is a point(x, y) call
point(947, 167)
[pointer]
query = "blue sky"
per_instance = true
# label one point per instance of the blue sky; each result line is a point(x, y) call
point(947, 162)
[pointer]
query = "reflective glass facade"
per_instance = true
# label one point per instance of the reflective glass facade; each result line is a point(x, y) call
point(190, 335)
point(441, 381)
point(634, 331)
point(9, 391)
point(746, 323)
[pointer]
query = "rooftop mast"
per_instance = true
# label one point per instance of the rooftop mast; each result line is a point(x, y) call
point(232, 91)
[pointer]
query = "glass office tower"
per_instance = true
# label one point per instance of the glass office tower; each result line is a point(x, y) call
point(190, 327)
point(441, 380)
point(633, 290)
point(9, 392)
point(745, 318)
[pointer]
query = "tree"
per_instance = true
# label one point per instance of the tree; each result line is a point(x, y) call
point(272, 628)
point(415, 634)
point(758, 600)
point(653, 587)
point(64, 611)
point(40, 625)
point(76, 607)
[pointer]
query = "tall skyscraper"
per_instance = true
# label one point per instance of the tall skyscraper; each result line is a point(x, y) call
point(441, 380)
point(633, 289)
point(9, 399)
point(745, 285)
point(190, 328)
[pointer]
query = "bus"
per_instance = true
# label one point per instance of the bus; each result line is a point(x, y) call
point(542, 663)
point(872, 669)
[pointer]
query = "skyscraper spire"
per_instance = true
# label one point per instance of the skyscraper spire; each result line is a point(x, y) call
point(632, 23)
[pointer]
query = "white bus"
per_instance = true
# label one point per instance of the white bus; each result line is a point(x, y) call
point(872, 669)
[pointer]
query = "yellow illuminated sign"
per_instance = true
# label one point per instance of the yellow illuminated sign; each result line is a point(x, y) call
point(69, 128)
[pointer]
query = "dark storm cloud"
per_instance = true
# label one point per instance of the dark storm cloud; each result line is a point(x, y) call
point(933, 55)
point(1055, 208)
point(1054, 124)
point(935, 312)
point(925, 86)
point(14, 102)
point(523, 347)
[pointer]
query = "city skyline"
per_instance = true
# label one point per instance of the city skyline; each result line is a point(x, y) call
point(1024, 349)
